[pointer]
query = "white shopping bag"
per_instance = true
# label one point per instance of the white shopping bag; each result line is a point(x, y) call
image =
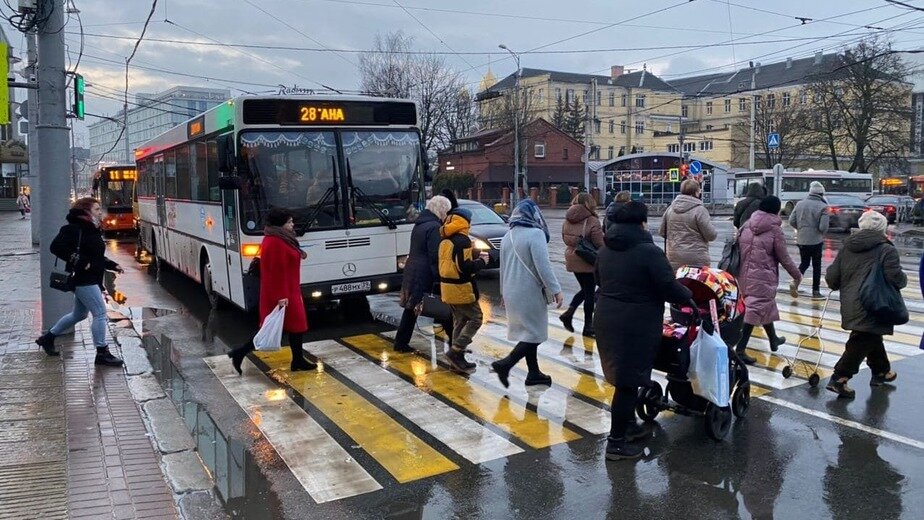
point(269, 337)
point(709, 367)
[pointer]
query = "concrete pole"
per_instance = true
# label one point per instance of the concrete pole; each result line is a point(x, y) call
point(32, 115)
point(52, 137)
point(753, 121)
point(128, 147)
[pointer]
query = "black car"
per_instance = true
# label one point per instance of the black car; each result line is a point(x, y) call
point(844, 211)
point(917, 214)
point(488, 229)
point(892, 207)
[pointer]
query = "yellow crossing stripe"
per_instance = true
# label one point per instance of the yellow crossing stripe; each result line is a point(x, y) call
point(399, 451)
point(510, 417)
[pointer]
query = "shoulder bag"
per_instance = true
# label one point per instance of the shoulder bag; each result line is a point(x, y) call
point(64, 282)
point(546, 293)
point(585, 249)
point(880, 298)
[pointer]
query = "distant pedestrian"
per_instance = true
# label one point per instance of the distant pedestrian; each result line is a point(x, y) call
point(526, 279)
point(748, 205)
point(635, 281)
point(863, 251)
point(810, 220)
point(421, 273)
point(281, 258)
point(622, 198)
point(458, 288)
point(25, 206)
point(687, 228)
point(581, 221)
point(763, 250)
point(80, 244)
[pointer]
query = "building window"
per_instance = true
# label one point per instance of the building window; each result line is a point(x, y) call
point(639, 127)
point(708, 108)
point(684, 111)
point(727, 106)
point(612, 98)
point(708, 127)
point(689, 147)
point(771, 100)
point(673, 148)
point(599, 97)
point(758, 102)
point(742, 104)
point(786, 100)
point(705, 146)
point(558, 93)
point(540, 96)
point(586, 101)
point(639, 149)
point(596, 153)
point(564, 153)
point(539, 150)
point(803, 97)
point(596, 126)
point(622, 127)
point(612, 126)
point(609, 152)
point(569, 95)
point(640, 101)
point(625, 99)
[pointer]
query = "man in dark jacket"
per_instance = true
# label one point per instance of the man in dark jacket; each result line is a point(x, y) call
point(635, 280)
point(862, 252)
point(748, 205)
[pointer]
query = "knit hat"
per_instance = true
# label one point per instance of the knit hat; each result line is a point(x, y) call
point(770, 205)
point(873, 220)
point(816, 188)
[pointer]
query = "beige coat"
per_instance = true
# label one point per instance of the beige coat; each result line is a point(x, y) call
point(688, 230)
point(579, 221)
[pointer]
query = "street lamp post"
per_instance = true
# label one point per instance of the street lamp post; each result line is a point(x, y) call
point(516, 128)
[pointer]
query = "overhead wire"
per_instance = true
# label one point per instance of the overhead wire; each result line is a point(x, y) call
point(443, 42)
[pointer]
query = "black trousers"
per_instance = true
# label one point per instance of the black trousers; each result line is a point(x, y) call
point(860, 346)
point(587, 295)
point(524, 350)
point(622, 411)
point(812, 255)
point(406, 328)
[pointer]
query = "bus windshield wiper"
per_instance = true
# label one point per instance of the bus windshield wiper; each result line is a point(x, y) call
point(355, 190)
point(314, 215)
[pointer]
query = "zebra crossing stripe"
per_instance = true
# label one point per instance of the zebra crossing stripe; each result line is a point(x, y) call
point(320, 464)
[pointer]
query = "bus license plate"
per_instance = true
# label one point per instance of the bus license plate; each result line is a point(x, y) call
point(353, 287)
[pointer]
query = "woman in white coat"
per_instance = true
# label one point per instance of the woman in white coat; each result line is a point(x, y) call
point(525, 271)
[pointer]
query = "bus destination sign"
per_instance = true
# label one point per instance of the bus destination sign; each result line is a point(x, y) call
point(195, 128)
point(311, 112)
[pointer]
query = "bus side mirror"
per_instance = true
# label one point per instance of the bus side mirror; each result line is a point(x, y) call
point(225, 154)
point(426, 165)
point(230, 182)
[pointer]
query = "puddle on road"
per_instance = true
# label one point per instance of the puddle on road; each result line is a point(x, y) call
point(239, 483)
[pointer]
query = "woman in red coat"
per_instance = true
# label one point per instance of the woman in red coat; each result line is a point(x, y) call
point(280, 285)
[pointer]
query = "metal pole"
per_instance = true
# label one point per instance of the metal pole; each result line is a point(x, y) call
point(753, 122)
point(516, 129)
point(52, 137)
point(128, 146)
point(588, 137)
point(32, 115)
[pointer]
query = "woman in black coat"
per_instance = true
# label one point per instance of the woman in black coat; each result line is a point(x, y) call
point(420, 272)
point(635, 281)
point(80, 245)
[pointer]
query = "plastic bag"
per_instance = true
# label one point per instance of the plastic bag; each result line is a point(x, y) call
point(709, 368)
point(269, 337)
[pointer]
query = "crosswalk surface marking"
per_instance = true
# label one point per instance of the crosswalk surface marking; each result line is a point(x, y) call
point(321, 465)
point(399, 451)
point(512, 418)
point(465, 436)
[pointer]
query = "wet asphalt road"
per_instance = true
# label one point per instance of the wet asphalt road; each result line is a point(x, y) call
point(799, 453)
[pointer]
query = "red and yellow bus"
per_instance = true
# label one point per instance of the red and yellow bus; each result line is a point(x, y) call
point(114, 186)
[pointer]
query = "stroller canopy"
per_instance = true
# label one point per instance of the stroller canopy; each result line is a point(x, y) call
point(713, 284)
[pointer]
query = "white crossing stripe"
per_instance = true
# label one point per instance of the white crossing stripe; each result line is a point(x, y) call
point(465, 436)
point(323, 467)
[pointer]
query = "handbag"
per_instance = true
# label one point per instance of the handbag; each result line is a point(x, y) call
point(731, 257)
point(880, 298)
point(64, 282)
point(546, 293)
point(585, 249)
point(432, 306)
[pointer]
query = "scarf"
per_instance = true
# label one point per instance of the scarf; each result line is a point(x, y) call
point(527, 214)
point(286, 236)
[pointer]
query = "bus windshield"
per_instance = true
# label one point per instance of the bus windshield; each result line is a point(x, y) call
point(382, 167)
point(116, 194)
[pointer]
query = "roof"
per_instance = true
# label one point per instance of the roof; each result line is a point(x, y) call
point(597, 165)
point(769, 75)
point(639, 79)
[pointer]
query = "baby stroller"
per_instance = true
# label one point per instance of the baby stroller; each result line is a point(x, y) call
point(673, 355)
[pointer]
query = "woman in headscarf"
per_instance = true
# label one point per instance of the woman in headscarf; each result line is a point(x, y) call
point(526, 278)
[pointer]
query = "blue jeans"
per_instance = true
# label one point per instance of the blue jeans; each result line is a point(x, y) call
point(88, 299)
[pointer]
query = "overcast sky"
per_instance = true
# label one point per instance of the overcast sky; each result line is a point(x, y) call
point(618, 33)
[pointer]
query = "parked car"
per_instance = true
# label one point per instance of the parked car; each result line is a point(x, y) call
point(892, 207)
point(844, 211)
point(917, 214)
point(488, 229)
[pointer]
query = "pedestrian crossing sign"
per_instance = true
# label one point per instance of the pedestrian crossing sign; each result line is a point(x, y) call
point(674, 174)
point(773, 140)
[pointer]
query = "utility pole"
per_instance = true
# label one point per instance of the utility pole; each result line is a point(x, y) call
point(128, 146)
point(516, 131)
point(753, 119)
point(590, 116)
point(52, 137)
point(32, 115)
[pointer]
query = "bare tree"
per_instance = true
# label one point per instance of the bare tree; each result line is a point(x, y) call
point(386, 72)
point(462, 119)
point(863, 107)
point(781, 114)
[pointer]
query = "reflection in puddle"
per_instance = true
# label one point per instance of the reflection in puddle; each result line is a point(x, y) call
point(239, 483)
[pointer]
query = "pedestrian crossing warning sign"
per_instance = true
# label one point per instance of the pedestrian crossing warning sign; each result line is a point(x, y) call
point(674, 174)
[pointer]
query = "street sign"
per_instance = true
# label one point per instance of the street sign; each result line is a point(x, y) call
point(674, 174)
point(773, 140)
point(695, 167)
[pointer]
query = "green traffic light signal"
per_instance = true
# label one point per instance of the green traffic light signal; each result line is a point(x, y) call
point(79, 110)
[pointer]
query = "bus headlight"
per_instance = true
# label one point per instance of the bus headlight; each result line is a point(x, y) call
point(383, 286)
point(481, 245)
point(316, 294)
point(402, 262)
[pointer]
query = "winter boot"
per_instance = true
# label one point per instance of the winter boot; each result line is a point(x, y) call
point(881, 379)
point(775, 343)
point(839, 387)
point(47, 342)
point(457, 360)
point(620, 449)
point(566, 318)
point(538, 378)
point(816, 295)
point(588, 332)
point(105, 358)
point(503, 372)
point(237, 355)
point(299, 363)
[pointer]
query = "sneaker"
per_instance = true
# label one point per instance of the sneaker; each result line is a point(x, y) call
point(745, 358)
point(816, 295)
point(503, 373)
point(840, 388)
point(620, 449)
point(457, 361)
point(637, 431)
point(404, 348)
point(538, 379)
point(794, 289)
point(105, 358)
point(881, 379)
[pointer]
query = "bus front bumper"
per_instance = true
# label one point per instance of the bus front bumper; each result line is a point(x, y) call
point(365, 286)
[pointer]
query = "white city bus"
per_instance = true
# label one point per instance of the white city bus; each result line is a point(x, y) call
point(795, 185)
point(350, 168)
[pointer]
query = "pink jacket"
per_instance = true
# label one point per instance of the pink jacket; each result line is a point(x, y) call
point(763, 249)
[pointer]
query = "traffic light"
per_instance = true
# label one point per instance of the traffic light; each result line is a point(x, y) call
point(78, 96)
point(684, 170)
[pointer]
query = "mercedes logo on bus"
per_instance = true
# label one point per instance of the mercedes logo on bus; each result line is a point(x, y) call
point(349, 269)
